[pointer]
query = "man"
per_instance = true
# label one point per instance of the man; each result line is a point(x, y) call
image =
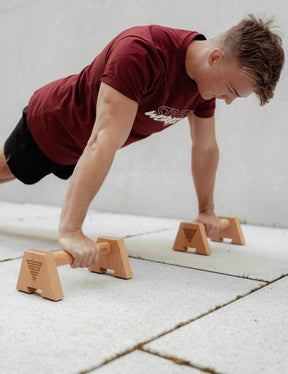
point(145, 79)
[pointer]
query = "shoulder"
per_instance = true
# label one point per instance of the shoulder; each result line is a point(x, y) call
point(157, 36)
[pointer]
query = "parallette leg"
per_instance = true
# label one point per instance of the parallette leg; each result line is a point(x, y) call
point(39, 272)
point(193, 235)
point(116, 260)
point(233, 231)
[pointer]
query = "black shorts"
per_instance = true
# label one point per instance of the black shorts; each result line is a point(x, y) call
point(26, 161)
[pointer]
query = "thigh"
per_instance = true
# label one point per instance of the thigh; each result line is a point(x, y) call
point(5, 172)
point(24, 158)
point(64, 171)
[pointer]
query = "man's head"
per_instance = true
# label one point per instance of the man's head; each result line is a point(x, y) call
point(258, 50)
point(247, 58)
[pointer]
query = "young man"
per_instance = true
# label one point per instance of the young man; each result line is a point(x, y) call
point(145, 80)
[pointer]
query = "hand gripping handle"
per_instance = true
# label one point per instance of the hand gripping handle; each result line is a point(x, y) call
point(64, 258)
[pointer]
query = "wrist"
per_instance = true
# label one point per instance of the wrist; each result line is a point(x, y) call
point(65, 230)
point(207, 210)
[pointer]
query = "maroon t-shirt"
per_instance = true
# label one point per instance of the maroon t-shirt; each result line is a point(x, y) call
point(146, 64)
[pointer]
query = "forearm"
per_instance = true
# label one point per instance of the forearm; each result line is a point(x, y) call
point(204, 167)
point(90, 172)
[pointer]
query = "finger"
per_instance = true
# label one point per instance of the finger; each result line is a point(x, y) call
point(97, 254)
point(84, 261)
point(74, 265)
point(212, 231)
point(207, 229)
point(76, 262)
point(87, 258)
point(96, 258)
point(93, 255)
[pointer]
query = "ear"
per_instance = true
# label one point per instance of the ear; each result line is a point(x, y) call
point(216, 55)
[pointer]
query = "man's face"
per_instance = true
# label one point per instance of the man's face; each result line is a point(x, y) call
point(223, 80)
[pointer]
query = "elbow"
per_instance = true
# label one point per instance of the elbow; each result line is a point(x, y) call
point(211, 148)
point(101, 140)
point(206, 154)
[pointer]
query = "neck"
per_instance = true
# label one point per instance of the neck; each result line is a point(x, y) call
point(196, 55)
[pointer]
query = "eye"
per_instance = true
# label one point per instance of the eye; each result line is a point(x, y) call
point(230, 90)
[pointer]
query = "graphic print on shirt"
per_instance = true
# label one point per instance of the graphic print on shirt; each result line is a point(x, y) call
point(167, 115)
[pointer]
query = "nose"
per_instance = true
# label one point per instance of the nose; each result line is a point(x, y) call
point(229, 99)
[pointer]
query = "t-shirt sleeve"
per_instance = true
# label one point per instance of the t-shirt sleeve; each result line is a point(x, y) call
point(206, 109)
point(132, 67)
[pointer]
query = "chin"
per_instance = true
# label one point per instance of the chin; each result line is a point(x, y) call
point(206, 96)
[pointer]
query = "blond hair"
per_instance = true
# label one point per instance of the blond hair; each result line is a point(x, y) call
point(259, 53)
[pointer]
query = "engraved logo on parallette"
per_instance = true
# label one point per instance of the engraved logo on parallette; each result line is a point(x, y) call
point(167, 115)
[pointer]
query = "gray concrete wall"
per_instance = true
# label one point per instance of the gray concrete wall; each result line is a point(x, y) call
point(42, 40)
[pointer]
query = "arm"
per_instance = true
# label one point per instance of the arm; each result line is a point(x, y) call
point(115, 117)
point(205, 157)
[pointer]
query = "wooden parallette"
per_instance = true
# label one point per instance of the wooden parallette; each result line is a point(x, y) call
point(193, 235)
point(39, 268)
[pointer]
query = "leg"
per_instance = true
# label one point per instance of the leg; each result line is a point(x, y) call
point(5, 173)
point(26, 161)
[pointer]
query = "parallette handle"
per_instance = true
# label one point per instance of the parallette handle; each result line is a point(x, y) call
point(225, 223)
point(64, 258)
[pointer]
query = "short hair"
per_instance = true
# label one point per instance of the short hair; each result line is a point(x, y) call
point(259, 52)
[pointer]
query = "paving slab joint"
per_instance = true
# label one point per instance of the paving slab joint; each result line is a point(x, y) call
point(180, 361)
point(9, 259)
point(139, 257)
point(147, 233)
point(113, 358)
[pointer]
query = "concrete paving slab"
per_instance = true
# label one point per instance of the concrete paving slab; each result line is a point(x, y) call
point(42, 221)
point(139, 362)
point(29, 220)
point(248, 336)
point(11, 248)
point(20, 211)
point(124, 225)
point(102, 316)
point(264, 257)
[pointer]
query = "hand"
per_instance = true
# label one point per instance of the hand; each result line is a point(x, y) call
point(211, 222)
point(84, 250)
